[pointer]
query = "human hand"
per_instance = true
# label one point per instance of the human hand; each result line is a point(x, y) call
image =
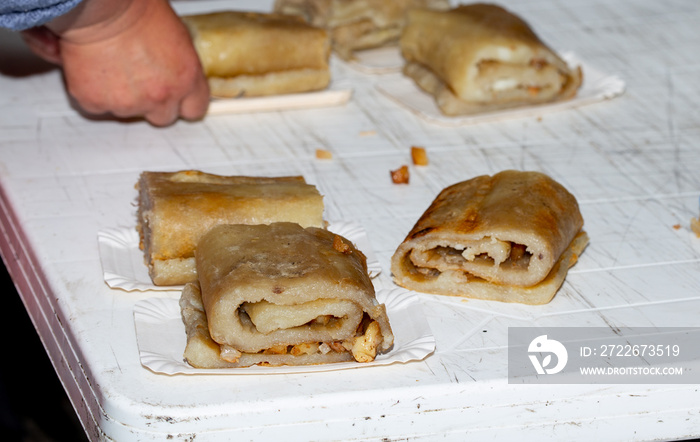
point(43, 42)
point(128, 58)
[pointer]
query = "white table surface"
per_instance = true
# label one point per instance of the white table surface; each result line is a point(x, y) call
point(633, 163)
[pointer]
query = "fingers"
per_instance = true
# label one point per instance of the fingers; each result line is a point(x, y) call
point(156, 96)
point(164, 115)
point(162, 105)
point(189, 100)
point(190, 104)
point(194, 106)
point(158, 104)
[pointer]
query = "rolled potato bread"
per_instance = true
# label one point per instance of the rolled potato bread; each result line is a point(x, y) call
point(282, 289)
point(356, 25)
point(256, 54)
point(177, 208)
point(504, 237)
point(480, 57)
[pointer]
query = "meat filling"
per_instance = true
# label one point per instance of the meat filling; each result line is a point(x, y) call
point(363, 345)
point(486, 253)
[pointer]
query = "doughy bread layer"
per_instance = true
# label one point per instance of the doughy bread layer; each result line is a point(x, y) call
point(480, 57)
point(177, 208)
point(255, 54)
point(502, 233)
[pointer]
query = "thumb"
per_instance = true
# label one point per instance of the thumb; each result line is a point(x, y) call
point(43, 43)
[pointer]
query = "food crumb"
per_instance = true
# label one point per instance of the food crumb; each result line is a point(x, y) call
point(400, 175)
point(419, 156)
point(677, 226)
point(368, 133)
point(341, 246)
point(323, 154)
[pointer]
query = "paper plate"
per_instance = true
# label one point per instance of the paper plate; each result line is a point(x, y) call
point(382, 60)
point(596, 87)
point(326, 98)
point(123, 265)
point(161, 338)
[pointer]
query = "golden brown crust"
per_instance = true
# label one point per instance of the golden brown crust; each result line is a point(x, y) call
point(510, 229)
point(177, 208)
point(253, 54)
point(480, 57)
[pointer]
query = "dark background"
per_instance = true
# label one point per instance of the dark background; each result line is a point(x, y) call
point(33, 404)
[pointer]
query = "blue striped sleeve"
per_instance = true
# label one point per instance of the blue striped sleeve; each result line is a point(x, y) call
point(24, 14)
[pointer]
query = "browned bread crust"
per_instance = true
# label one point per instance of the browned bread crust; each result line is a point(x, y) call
point(511, 236)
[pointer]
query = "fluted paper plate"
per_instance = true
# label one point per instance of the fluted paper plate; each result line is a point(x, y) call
point(306, 100)
point(596, 87)
point(123, 265)
point(161, 338)
point(381, 60)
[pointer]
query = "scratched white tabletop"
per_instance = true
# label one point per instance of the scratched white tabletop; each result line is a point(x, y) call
point(632, 162)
